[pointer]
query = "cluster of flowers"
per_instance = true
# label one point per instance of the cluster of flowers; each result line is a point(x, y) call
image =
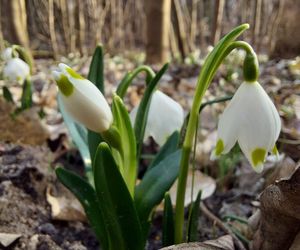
point(250, 118)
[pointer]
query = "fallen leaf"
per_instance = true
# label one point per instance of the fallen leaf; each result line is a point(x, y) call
point(223, 243)
point(65, 208)
point(202, 182)
point(7, 239)
point(280, 217)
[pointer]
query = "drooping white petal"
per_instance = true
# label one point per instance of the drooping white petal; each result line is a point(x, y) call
point(7, 54)
point(85, 103)
point(257, 126)
point(253, 120)
point(165, 116)
point(16, 70)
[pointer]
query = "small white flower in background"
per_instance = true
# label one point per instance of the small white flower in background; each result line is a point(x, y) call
point(251, 119)
point(16, 70)
point(7, 54)
point(82, 99)
point(165, 116)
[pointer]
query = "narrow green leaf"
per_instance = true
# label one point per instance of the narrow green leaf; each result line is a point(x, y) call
point(193, 220)
point(142, 113)
point(79, 136)
point(169, 147)
point(168, 222)
point(7, 94)
point(156, 182)
point(96, 76)
point(85, 193)
point(26, 98)
point(128, 143)
point(121, 219)
point(96, 72)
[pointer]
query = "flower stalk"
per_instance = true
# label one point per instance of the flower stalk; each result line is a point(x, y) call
point(213, 61)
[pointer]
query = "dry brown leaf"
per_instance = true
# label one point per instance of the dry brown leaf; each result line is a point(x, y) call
point(202, 182)
point(223, 243)
point(65, 208)
point(7, 239)
point(280, 217)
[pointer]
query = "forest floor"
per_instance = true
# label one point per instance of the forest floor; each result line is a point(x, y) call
point(37, 212)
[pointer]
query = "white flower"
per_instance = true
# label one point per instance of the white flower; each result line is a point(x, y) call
point(251, 119)
point(16, 70)
point(82, 99)
point(164, 117)
point(7, 54)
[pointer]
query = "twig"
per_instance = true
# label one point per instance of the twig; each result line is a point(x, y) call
point(221, 225)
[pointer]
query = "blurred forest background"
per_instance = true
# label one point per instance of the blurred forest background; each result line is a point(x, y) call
point(176, 28)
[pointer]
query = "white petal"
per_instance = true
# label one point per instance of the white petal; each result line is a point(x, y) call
point(7, 54)
point(16, 70)
point(165, 116)
point(88, 106)
point(256, 119)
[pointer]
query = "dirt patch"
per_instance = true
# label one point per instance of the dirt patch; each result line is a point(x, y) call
point(25, 173)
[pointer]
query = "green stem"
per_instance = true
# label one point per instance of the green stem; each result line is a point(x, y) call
point(206, 75)
point(127, 80)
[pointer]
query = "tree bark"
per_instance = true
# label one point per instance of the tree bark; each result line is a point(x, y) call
point(17, 24)
point(219, 9)
point(158, 26)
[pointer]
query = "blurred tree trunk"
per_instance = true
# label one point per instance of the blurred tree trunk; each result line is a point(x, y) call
point(17, 23)
point(256, 22)
point(1, 34)
point(158, 27)
point(216, 30)
point(52, 28)
point(179, 29)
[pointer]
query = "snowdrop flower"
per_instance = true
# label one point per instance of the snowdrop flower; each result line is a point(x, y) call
point(251, 119)
point(16, 70)
point(7, 54)
point(164, 117)
point(82, 99)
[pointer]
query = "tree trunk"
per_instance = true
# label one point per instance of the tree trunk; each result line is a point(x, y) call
point(216, 31)
point(256, 21)
point(158, 26)
point(17, 23)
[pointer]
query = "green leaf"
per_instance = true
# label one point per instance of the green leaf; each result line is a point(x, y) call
point(7, 94)
point(26, 98)
point(96, 76)
point(156, 182)
point(168, 222)
point(193, 220)
point(85, 193)
point(117, 207)
point(142, 112)
point(78, 134)
point(128, 143)
point(96, 72)
point(169, 147)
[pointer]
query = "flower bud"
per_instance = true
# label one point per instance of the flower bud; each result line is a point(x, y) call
point(82, 100)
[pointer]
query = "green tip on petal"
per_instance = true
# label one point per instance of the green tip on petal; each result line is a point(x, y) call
point(275, 150)
point(219, 147)
point(74, 74)
point(64, 85)
point(258, 156)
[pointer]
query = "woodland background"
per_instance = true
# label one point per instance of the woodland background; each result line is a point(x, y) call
point(58, 27)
